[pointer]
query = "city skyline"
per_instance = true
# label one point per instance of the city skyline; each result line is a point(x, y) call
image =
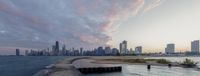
point(148, 23)
point(56, 50)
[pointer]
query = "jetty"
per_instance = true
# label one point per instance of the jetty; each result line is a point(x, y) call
point(89, 66)
point(61, 68)
point(77, 66)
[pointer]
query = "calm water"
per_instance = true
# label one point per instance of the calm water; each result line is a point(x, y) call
point(24, 66)
point(140, 70)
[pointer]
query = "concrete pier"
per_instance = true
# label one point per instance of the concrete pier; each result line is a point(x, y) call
point(100, 69)
point(88, 66)
point(77, 66)
point(62, 68)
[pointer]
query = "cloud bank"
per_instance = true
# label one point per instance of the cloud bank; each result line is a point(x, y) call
point(77, 23)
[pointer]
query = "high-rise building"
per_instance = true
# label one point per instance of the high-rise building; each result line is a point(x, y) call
point(63, 52)
point(17, 52)
point(56, 48)
point(100, 51)
point(195, 46)
point(26, 52)
point(123, 47)
point(107, 50)
point(81, 51)
point(115, 51)
point(53, 50)
point(64, 48)
point(138, 50)
point(170, 48)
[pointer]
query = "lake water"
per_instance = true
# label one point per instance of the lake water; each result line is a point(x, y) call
point(141, 70)
point(24, 65)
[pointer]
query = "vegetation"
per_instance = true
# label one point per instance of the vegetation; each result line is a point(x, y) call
point(140, 60)
point(135, 60)
point(163, 61)
point(188, 63)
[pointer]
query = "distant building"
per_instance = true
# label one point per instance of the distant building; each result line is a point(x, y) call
point(63, 52)
point(195, 46)
point(100, 51)
point(81, 51)
point(108, 51)
point(17, 52)
point(115, 51)
point(26, 53)
point(170, 48)
point(55, 48)
point(123, 47)
point(138, 50)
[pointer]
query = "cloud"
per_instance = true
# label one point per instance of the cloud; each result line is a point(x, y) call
point(152, 4)
point(77, 23)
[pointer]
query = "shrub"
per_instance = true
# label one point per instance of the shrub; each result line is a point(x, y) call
point(163, 61)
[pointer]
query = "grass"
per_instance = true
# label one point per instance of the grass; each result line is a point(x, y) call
point(188, 63)
point(161, 61)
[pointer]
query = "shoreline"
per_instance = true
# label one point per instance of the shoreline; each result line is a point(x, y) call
point(66, 66)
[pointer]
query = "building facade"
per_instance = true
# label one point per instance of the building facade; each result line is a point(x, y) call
point(195, 46)
point(170, 48)
point(17, 52)
point(123, 47)
point(138, 50)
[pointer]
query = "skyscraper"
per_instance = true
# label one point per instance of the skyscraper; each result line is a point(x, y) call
point(123, 47)
point(81, 51)
point(195, 46)
point(55, 48)
point(17, 52)
point(138, 50)
point(63, 52)
point(100, 51)
point(170, 48)
point(120, 47)
point(107, 50)
point(26, 52)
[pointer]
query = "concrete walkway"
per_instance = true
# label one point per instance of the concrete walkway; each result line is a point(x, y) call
point(62, 68)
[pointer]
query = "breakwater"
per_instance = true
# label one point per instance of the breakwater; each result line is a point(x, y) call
point(77, 66)
point(61, 68)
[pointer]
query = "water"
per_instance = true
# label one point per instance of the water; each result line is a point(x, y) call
point(141, 70)
point(24, 66)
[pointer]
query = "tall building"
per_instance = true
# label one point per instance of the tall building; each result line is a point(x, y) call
point(107, 50)
point(115, 51)
point(81, 51)
point(55, 48)
point(17, 52)
point(100, 51)
point(170, 48)
point(123, 47)
point(138, 50)
point(26, 52)
point(195, 46)
point(64, 48)
point(63, 52)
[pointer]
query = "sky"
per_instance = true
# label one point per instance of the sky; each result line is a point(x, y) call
point(37, 24)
